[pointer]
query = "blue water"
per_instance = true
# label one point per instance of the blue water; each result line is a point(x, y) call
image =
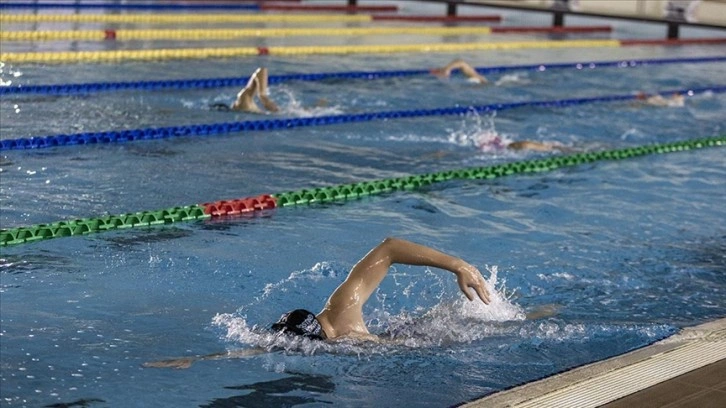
point(625, 253)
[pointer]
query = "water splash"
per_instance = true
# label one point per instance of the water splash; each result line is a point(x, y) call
point(512, 79)
point(4, 71)
point(479, 132)
point(319, 271)
point(293, 106)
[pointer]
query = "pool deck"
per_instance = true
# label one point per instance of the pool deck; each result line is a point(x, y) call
point(687, 369)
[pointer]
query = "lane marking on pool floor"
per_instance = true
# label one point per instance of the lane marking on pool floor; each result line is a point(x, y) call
point(609, 380)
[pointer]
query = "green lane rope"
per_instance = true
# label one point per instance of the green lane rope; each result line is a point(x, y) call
point(343, 192)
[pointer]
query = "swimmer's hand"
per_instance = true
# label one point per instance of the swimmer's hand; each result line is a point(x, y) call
point(470, 277)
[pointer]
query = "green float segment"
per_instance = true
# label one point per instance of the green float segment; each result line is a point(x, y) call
point(343, 192)
point(86, 226)
point(356, 190)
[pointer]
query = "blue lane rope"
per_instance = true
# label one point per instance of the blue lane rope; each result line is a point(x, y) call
point(41, 4)
point(72, 89)
point(120, 136)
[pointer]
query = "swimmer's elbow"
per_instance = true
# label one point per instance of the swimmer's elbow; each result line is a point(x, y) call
point(389, 242)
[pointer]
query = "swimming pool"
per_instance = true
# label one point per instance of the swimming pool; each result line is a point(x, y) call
point(627, 251)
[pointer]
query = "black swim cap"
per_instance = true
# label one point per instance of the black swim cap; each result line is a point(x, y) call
point(300, 322)
point(220, 107)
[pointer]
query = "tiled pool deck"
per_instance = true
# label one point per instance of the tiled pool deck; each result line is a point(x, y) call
point(685, 370)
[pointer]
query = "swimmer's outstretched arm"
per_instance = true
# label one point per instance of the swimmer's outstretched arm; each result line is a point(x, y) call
point(245, 101)
point(263, 92)
point(343, 311)
point(186, 362)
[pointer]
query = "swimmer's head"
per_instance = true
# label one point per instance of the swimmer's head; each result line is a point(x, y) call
point(641, 96)
point(300, 322)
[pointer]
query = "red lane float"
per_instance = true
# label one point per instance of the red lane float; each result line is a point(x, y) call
point(240, 206)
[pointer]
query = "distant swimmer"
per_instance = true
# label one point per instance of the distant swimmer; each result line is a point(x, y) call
point(245, 102)
point(675, 100)
point(465, 69)
point(494, 142)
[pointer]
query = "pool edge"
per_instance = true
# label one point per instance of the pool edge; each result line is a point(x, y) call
point(572, 385)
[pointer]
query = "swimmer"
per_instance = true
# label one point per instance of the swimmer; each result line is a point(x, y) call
point(256, 86)
point(465, 69)
point(497, 143)
point(676, 100)
point(342, 315)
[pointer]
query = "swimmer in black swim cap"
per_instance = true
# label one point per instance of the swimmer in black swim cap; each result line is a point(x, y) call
point(342, 315)
point(300, 322)
point(256, 86)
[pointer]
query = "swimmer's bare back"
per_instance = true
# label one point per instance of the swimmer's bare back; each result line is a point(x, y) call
point(539, 147)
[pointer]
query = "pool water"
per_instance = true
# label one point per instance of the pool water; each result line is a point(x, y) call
point(622, 254)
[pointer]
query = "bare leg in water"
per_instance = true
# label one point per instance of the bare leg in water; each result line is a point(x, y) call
point(539, 146)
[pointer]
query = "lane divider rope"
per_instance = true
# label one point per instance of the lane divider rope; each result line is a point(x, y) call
point(124, 6)
point(184, 18)
point(196, 53)
point(121, 136)
point(245, 18)
point(70, 89)
point(437, 19)
point(251, 205)
point(222, 34)
point(258, 6)
point(226, 34)
point(203, 53)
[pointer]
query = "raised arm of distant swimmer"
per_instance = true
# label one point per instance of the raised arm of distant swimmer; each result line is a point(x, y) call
point(245, 98)
point(466, 69)
point(343, 311)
